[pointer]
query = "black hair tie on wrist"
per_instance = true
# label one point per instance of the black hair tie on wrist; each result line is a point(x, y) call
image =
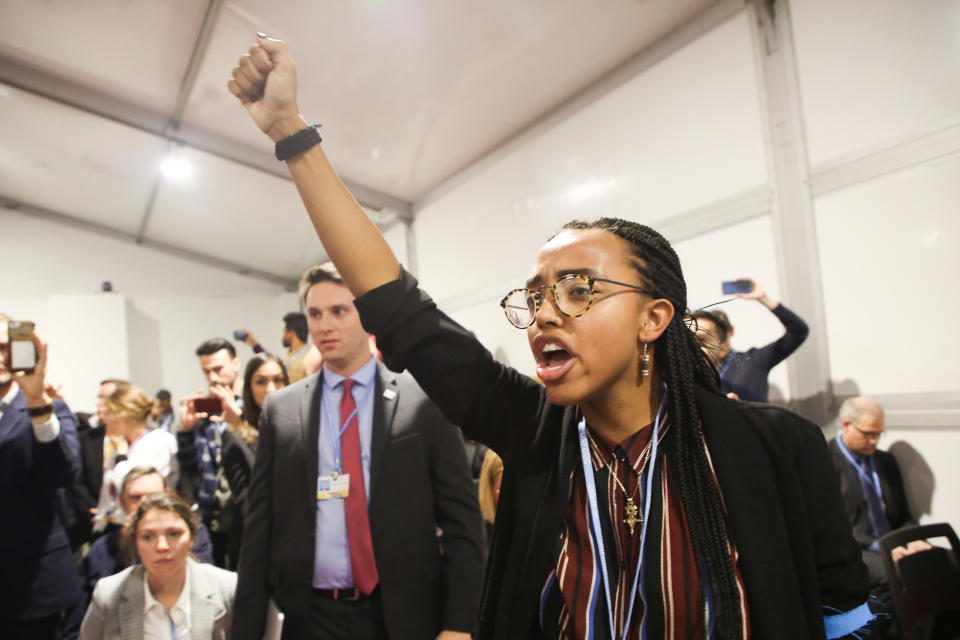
point(297, 143)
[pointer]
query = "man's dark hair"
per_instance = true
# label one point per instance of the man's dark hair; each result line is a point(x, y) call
point(211, 346)
point(719, 320)
point(296, 322)
point(316, 275)
point(163, 394)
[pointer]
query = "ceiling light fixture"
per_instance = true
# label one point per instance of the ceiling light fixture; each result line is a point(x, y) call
point(176, 167)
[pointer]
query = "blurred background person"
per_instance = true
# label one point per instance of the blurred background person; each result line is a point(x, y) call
point(294, 339)
point(162, 415)
point(745, 373)
point(168, 594)
point(127, 410)
point(39, 453)
point(873, 494)
point(263, 375)
point(97, 455)
point(106, 557)
point(199, 436)
point(488, 491)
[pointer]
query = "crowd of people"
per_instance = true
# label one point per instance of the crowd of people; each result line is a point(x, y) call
point(638, 488)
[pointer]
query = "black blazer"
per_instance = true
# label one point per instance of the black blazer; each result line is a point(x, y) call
point(86, 492)
point(891, 485)
point(39, 577)
point(419, 481)
point(797, 554)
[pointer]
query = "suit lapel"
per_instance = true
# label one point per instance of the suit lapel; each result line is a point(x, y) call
point(385, 400)
point(11, 413)
point(131, 605)
point(204, 610)
point(310, 432)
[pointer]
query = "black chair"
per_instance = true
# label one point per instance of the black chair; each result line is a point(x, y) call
point(925, 585)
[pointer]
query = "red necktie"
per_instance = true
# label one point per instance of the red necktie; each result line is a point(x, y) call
point(364, 566)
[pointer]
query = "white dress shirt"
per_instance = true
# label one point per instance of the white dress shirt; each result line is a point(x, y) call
point(160, 625)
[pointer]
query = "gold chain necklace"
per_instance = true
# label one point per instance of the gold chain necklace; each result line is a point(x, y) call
point(631, 511)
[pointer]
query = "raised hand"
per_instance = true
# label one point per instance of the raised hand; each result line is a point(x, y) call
point(231, 411)
point(265, 82)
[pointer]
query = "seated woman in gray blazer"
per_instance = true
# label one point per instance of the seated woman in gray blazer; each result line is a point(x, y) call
point(169, 594)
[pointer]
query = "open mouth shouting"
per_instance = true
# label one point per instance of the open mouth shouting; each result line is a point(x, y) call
point(554, 358)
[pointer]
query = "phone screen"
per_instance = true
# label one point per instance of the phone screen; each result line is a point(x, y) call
point(23, 355)
point(737, 286)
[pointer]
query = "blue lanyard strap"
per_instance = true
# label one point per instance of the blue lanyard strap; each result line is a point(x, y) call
point(173, 628)
point(334, 432)
point(872, 482)
point(593, 514)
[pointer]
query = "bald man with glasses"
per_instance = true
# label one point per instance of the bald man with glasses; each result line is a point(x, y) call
point(872, 490)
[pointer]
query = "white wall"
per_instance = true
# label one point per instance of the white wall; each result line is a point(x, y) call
point(148, 329)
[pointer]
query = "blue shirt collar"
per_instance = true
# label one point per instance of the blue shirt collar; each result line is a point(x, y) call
point(362, 376)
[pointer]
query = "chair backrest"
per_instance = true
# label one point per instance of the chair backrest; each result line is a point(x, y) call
point(926, 582)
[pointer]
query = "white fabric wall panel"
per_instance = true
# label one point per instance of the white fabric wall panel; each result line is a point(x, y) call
point(88, 338)
point(66, 260)
point(685, 132)
point(873, 71)
point(170, 329)
point(742, 250)
point(889, 254)
point(928, 460)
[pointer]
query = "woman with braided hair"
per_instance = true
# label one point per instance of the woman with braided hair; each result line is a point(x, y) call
point(637, 501)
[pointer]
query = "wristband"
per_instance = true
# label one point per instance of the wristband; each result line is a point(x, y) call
point(297, 143)
point(36, 412)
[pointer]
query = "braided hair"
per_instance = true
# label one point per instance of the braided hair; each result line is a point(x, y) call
point(682, 363)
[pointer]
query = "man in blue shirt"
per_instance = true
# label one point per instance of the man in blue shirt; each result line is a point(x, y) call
point(362, 515)
point(872, 490)
point(198, 438)
point(745, 373)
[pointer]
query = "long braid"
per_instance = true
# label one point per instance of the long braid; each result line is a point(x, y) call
point(682, 363)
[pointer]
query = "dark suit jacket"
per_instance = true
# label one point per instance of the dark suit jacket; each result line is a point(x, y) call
point(797, 554)
point(86, 492)
point(38, 577)
point(891, 484)
point(419, 481)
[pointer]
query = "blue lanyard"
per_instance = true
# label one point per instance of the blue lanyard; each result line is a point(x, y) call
point(335, 433)
point(593, 513)
point(286, 363)
point(173, 628)
point(871, 482)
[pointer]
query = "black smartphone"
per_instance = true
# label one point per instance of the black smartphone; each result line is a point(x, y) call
point(731, 287)
point(240, 335)
point(22, 354)
point(209, 406)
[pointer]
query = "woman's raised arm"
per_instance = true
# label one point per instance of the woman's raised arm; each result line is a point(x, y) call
point(265, 82)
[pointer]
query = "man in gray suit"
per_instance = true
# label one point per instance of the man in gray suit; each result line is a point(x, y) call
point(363, 522)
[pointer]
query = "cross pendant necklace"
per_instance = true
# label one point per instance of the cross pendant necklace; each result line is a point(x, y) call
point(631, 511)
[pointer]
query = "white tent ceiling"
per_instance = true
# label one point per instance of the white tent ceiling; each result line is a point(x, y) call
point(95, 94)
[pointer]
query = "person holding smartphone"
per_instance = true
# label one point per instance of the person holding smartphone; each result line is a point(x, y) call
point(39, 454)
point(203, 419)
point(744, 373)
